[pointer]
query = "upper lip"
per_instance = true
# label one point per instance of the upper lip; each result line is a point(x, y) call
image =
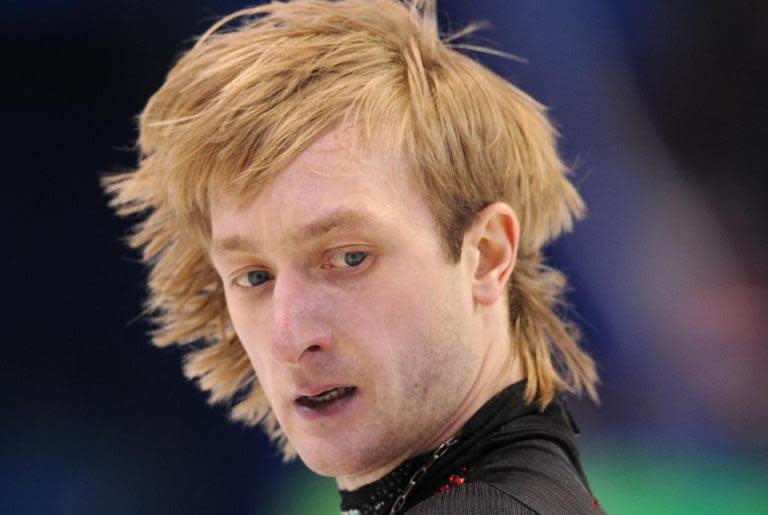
point(318, 389)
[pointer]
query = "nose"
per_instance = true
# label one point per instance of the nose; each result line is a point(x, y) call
point(298, 328)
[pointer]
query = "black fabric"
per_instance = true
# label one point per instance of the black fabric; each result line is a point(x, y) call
point(510, 459)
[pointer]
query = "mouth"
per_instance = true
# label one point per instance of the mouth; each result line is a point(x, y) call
point(327, 398)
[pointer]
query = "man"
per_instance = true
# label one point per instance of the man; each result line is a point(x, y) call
point(350, 214)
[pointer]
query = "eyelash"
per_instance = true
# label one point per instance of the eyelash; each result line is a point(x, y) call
point(236, 281)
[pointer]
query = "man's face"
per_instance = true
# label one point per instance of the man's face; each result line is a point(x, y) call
point(336, 282)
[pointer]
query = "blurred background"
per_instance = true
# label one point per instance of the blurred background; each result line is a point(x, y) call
point(661, 106)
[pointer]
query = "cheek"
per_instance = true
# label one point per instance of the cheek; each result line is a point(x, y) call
point(409, 318)
point(249, 325)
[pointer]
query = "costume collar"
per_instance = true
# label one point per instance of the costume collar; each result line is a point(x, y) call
point(490, 427)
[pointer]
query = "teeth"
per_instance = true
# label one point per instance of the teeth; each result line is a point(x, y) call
point(329, 396)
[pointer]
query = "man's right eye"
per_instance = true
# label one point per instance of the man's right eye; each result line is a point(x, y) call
point(252, 278)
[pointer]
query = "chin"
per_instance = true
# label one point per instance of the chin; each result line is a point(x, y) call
point(340, 458)
point(331, 462)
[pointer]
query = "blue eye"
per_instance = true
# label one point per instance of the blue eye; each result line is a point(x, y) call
point(354, 258)
point(253, 278)
point(346, 259)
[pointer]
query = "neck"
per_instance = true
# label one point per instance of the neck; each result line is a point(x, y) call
point(472, 442)
point(499, 369)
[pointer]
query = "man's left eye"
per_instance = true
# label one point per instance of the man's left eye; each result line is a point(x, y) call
point(346, 259)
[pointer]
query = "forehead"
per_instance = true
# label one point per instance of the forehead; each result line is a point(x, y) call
point(338, 181)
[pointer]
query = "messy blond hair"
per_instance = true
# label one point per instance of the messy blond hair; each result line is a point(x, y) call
point(259, 86)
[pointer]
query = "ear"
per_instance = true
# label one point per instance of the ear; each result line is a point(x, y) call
point(493, 237)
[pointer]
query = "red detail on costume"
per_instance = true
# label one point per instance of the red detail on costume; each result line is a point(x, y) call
point(453, 479)
point(595, 502)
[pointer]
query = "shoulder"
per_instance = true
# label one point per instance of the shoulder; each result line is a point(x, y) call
point(543, 475)
point(477, 498)
point(531, 477)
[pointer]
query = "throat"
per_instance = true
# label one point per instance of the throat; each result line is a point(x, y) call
point(379, 496)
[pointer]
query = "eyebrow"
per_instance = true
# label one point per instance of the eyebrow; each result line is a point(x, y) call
point(333, 221)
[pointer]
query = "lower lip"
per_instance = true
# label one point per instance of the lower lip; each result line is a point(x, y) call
point(329, 410)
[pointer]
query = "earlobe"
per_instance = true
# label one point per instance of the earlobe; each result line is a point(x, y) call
point(495, 234)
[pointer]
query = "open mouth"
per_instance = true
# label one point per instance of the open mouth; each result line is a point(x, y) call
point(326, 398)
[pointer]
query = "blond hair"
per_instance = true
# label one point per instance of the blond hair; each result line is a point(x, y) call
point(247, 99)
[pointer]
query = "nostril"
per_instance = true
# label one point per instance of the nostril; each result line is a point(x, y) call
point(314, 348)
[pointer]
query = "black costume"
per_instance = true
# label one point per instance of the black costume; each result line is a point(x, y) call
point(508, 459)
